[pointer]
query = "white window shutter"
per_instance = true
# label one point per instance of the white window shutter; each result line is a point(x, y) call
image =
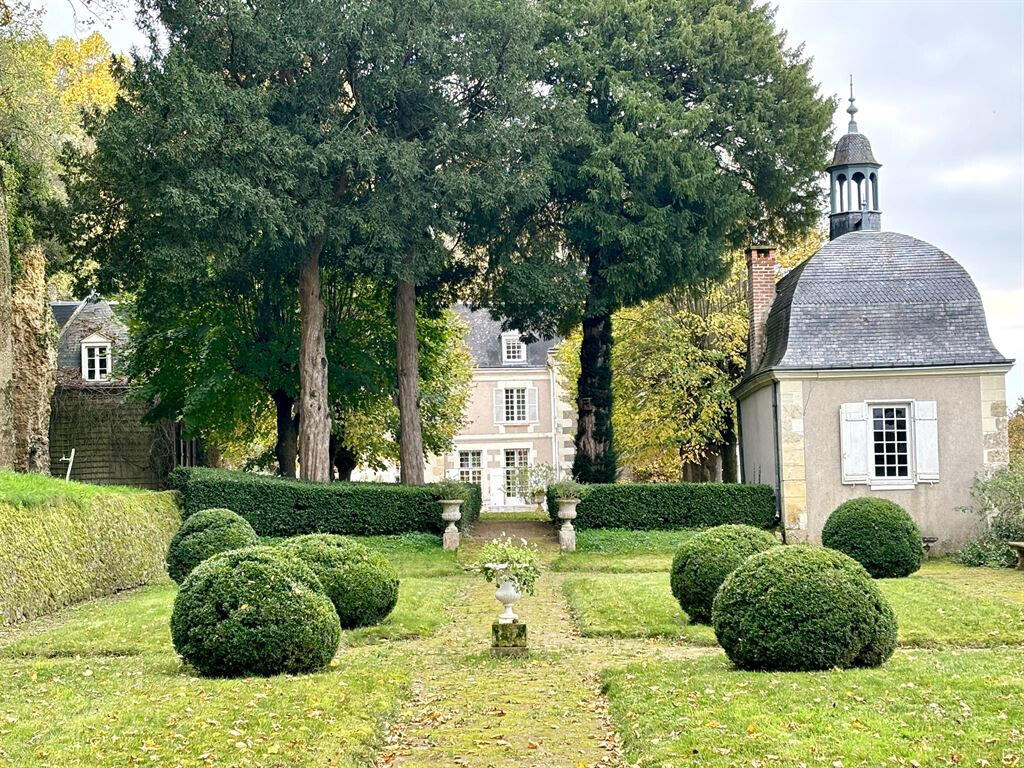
point(499, 405)
point(532, 414)
point(926, 441)
point(853, 428)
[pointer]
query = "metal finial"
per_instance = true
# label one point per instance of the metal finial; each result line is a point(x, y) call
point(852, 109)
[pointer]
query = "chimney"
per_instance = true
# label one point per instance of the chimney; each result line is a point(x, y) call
point(761, 264)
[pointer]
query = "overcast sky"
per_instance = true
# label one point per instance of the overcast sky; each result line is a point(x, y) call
point(940, 88)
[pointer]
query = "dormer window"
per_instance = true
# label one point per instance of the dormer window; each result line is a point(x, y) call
point(512, 348)
point(96, 358)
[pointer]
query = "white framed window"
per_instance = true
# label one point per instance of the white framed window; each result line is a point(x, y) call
point(96, 358)
point(889, 443)
point(512, 348)
point(515, 404)
point(515, 459)
point(470, 466)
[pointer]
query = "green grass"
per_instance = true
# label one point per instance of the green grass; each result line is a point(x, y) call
point(422, 609)
point(413, 554)
point(103, 711)
point(630, 605)
point(942, 606)
point(935, 708)
point(28, 489)
point(614, 550)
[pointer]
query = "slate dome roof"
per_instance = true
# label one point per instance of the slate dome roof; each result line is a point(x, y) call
point(854, 149)
point(877, 300)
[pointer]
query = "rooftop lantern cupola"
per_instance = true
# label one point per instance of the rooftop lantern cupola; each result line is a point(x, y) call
point(853, 178)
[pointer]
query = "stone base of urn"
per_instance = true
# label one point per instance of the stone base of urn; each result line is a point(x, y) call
point(567, 538)
point(508, 639)
point(451, 514)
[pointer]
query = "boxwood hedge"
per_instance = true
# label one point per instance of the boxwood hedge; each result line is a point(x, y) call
point(61, 543)
point(277, 506)
point(642, 506)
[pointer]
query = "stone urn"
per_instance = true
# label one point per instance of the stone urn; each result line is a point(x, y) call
point(567, 534)
point(451, 514)
point(508, 594)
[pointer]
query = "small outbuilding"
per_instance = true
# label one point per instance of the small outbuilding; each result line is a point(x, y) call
point(870, 371)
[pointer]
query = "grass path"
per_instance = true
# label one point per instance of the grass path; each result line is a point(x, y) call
point(547, 710)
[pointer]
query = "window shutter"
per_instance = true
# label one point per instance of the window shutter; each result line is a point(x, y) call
point(499, 405)
point(532, 414)
point(926, 441)
point(853, 427)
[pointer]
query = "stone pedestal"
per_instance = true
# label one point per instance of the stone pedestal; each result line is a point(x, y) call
point(451, 514)
point(508, 639)
point(567, 534)
point(567, 538)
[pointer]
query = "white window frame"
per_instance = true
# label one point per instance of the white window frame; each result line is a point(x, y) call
point(885, 481)
point(510, 470)
point(469, 472)
point(502, 412)
point(858, 444)
point(512, 340)
point(97, 344)
point(516, 405)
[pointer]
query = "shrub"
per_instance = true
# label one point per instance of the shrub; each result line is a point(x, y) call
point(277, 506)
point(641, 506)
point(254, 611)
point(703, 561)
point(205, 534)
point(800, 608)
point(999, 500)
point(62, 542)
point(878, 534)
point(362, 584)
point(986, 552)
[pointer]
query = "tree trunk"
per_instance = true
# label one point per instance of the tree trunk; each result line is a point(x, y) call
point(6, 348)
point(343, 459)
point(314, 411)
point(286, 447)
point(410, 434)
point(730, 461)
point(595, 450)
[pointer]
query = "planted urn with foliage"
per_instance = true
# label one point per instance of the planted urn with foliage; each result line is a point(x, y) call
point(800, 608)
point(362, 584)
point(254, 611)
point(205, 534)
point(878, 534)
point(703, 562)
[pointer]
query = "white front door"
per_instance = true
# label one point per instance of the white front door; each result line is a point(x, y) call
point(496, 481)
point(514, 460)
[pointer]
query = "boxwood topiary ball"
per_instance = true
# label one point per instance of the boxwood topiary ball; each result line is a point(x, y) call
point(800, 608)
point(205, 534)
point(703, 561)
point(878, 534)
point(362, 584)
point(254, 611)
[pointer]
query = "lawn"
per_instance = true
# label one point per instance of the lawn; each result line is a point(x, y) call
point(942, 606)
point(612, 550)
point(933, 708)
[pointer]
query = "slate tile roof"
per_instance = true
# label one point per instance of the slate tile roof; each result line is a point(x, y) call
point(854, 149)
point(484, 340)
point(877, 300)
point(96, 316)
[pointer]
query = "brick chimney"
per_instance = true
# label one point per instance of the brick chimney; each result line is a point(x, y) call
point(761, 264)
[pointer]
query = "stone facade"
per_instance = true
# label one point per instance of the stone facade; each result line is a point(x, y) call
point(34, 337)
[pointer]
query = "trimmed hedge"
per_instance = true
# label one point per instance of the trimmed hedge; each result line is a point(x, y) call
point(277, 506)
point(878, 534)
point(204, 535)
point(362, 584)
point(642, 506)
point(61, 543)
point(703, 561)
point(801, 608)
point(254, 611)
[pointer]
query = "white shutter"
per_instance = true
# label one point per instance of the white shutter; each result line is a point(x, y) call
point(926, 441)
point(499, 405)
point(853, 429)
point(532, 414)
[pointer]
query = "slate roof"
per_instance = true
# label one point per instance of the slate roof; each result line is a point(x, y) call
point(96, 316)
point(877, 300)
point(62, 312)
point(854, 149)
point(484, 340)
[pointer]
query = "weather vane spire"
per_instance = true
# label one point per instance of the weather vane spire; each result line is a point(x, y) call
point(852, 109)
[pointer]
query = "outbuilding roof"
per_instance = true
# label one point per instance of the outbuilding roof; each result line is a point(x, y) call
point(484, 341)
point(877, 300)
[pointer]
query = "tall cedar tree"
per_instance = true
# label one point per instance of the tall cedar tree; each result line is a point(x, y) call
point(687, 128)
point(319, 137)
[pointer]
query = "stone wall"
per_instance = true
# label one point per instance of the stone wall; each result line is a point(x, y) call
point(34, 337)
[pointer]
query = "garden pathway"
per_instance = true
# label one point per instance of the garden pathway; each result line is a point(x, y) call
point(544, 711)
